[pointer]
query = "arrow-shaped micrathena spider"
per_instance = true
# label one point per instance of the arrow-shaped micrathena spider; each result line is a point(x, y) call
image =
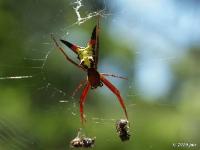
point(88, 57)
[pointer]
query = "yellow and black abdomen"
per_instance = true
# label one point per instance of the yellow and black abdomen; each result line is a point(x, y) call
point(86, 56)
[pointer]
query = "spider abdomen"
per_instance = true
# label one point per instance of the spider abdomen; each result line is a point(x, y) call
point(85, 55)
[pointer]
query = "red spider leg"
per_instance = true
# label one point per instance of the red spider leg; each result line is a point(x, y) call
point(115, 76)
point(73, 47)
point(83, 99)
point(78, 87)
point(116, 92)
point(62, 50)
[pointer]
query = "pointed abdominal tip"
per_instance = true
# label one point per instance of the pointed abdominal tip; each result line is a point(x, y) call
point(73, 47)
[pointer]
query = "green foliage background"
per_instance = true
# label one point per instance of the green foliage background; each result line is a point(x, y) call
point(32, 118)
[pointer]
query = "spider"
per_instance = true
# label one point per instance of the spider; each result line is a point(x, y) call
point(88, 57)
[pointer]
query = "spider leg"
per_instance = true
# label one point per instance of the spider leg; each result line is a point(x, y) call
point(116, 92)
point(83, 99)
point(78, 87)
point(66, 56)
point(115, 76)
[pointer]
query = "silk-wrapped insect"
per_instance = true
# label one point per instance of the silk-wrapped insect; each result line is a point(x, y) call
point(81, 141)
point(122, 127)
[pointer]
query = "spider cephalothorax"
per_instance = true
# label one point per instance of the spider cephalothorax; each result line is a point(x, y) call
point(94, 78)
point(88, 57)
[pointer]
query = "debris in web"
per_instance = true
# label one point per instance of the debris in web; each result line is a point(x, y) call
point(80, 19)
point(81, 141)
point(122, 127)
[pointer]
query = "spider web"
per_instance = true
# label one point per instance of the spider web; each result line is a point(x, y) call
point(41, 58)
point(57, 93)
